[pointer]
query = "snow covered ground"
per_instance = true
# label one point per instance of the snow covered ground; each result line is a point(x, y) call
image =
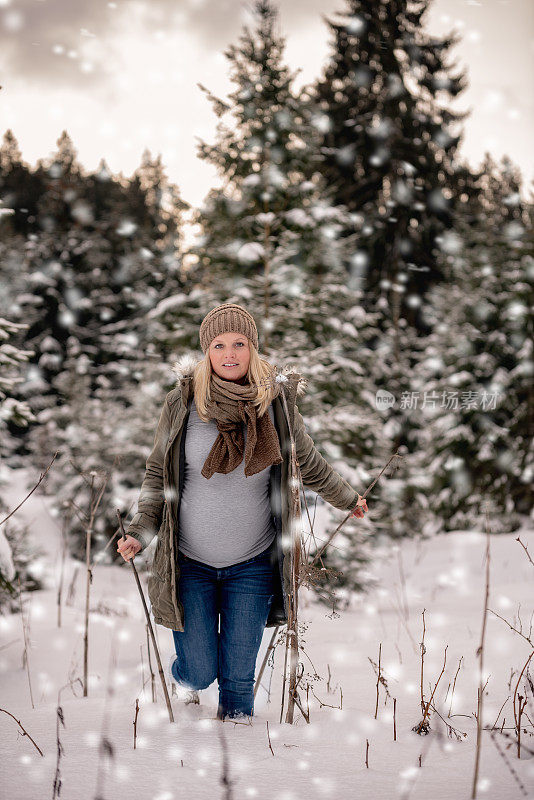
point(323, 759)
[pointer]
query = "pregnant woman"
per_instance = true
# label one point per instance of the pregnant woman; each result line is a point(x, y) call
point(216, 494)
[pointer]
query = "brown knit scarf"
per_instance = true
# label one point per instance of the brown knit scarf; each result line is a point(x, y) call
point(230, 405)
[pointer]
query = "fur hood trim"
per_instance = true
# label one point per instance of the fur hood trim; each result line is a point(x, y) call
point(184, 365)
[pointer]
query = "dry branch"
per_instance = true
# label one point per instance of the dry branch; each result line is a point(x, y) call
point(41, 478)
point(24, 731)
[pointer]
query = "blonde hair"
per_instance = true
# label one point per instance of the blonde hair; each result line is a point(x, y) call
point(260, 372)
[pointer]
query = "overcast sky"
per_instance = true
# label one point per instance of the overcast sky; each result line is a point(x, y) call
point(121, 76)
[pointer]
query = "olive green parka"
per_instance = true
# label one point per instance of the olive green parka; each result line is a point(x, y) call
point(159, 499)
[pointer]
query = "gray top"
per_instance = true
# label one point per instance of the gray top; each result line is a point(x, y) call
point(227, 518)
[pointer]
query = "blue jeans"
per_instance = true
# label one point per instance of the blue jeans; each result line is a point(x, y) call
point(241, 594)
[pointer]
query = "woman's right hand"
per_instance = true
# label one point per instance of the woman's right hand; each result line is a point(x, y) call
point(128, 547)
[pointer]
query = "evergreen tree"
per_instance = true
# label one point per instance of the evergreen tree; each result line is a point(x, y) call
point(162, 207)
point(13, 413)
point(14, 552)
point(100, 262)
point(19, 190)
point(268, 219)
point(477, 366)
point(389, 147)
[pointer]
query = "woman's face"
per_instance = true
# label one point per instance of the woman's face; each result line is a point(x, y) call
point(230, 348)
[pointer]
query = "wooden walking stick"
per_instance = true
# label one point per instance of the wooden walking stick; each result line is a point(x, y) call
point(364, 495)
point(158, 659)
point(295, 565)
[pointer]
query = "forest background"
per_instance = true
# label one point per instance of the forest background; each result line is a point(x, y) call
point(393, 274)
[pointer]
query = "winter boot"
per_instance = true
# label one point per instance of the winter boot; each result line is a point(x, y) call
point(183, 694)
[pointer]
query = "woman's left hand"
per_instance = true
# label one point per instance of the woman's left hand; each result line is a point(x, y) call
point(361, 508)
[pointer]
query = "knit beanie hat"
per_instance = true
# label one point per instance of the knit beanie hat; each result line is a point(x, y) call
point(225, 318)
